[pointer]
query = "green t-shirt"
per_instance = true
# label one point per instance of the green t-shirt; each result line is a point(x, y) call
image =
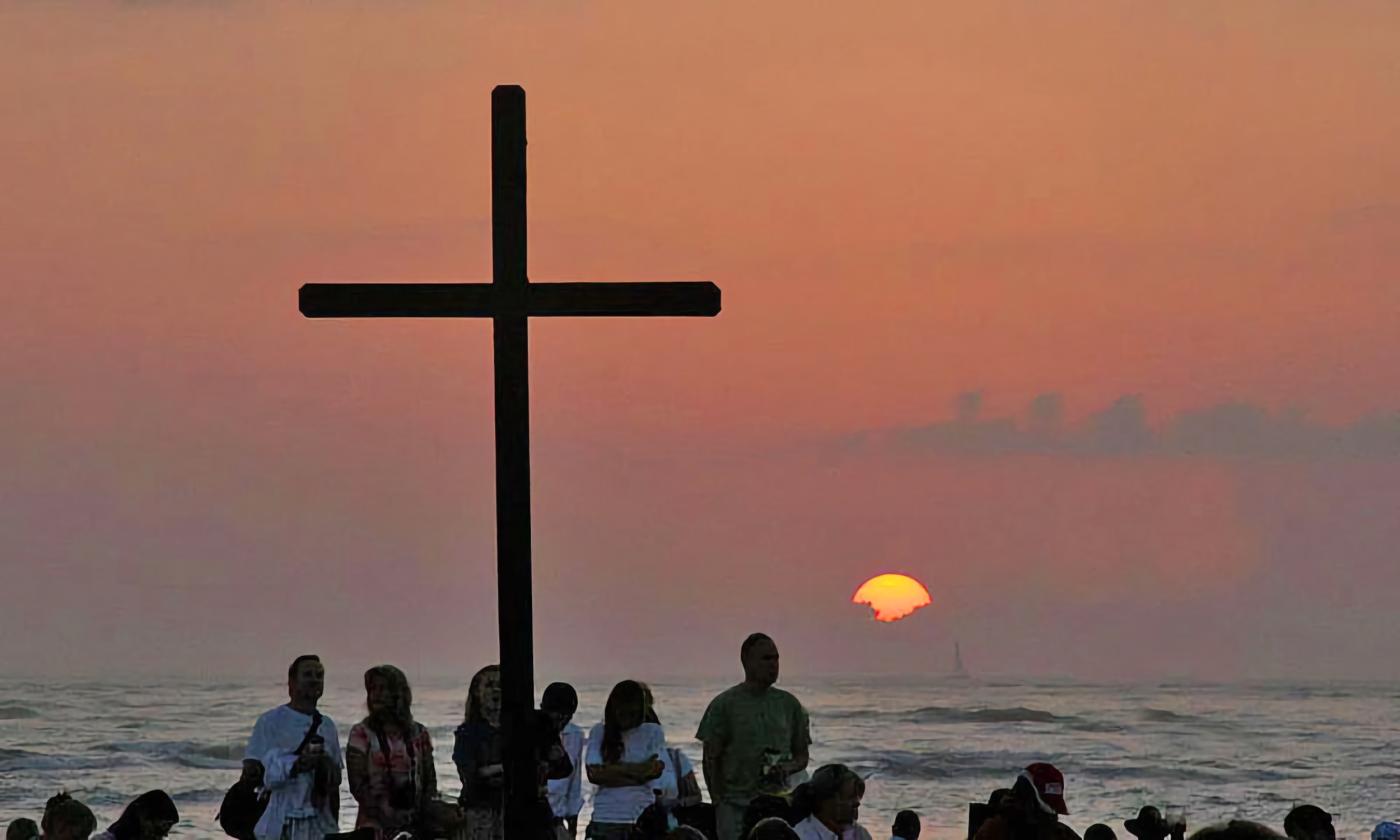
point(746, 725)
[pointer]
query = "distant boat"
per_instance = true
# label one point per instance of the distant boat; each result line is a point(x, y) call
point(959, 672)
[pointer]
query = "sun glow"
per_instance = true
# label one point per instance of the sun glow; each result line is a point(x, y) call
point(892, 597)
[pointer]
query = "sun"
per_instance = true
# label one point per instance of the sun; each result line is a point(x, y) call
point(892, 597)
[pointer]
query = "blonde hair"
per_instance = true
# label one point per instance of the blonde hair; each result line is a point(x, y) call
point(473, 706)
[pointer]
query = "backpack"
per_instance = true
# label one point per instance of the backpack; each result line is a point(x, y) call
point(243, 805)
point(241, 810)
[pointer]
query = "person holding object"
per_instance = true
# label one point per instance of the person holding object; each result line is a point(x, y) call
point(389, 758)
point(294, 755)
point(754, 735)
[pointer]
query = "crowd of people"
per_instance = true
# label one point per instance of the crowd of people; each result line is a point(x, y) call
point(755, 739)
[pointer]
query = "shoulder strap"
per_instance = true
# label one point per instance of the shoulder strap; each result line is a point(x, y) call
point(315, 725)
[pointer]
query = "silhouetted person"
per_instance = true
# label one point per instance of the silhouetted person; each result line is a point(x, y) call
point(754, 736)
point(1309, 822)
point(22, 829)
point(1386, 830)
point(477, 753)
point(906, 826)
point(1237, 830)
point(560, 701)
point(149, 816)
point(1032, 810)
point(1149, 824)
point(623, 761)
point(771, 828)
point(830, 805)
point(1099, 831)
point(294, 755)
point(389, 757)
point(65, 818)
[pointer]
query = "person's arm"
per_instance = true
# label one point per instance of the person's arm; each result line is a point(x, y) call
point(625, 774)
point(801, 743)
point(357, 768)
point(690, 791)
point(710, 765)
point(425, 762)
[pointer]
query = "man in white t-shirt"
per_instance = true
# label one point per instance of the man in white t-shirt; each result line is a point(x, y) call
point(294, 756)
point(560, 701)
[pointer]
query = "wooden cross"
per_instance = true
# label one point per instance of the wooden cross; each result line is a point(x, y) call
point(509, 301)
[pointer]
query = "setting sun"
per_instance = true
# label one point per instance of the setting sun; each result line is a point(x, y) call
point(892, 597)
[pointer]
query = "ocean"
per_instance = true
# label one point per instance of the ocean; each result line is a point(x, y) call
point(1221, 751)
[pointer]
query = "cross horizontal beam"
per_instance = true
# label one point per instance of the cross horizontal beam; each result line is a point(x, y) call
point(480, 300)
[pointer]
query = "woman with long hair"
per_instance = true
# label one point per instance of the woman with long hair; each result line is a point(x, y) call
point(149, 816)
point(389, 757)
point(623, 762)
point(477, 754)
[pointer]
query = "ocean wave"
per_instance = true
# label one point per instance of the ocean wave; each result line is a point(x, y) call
point(12, 711)
point(1166, 716)
point(187, 753)
point(28, 761)
point(901, 764)
point(1014, 714)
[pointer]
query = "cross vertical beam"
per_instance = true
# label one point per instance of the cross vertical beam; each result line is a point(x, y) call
point(512, 347)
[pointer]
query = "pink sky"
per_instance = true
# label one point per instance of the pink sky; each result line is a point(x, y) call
point(1195, 203)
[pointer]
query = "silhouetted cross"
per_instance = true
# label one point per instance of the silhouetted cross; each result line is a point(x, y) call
point(509, 301)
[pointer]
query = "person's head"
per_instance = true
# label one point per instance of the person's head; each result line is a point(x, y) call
point(627, 706)
point(906, 825)
point(306, 679)
point(388, 696)
point(1309, 822)
point(1237, 830)
point(149, 816)
point(1040, 792)
point(484, 696)
point(999, 799)
point(767, 806)
point(759, 656)
point(22, 829)
point(559, 701)
point(771, 828)
point(1099, 831)
point(1149, 824)
point(1386, 830)
point(835, 792)
point(65, 818)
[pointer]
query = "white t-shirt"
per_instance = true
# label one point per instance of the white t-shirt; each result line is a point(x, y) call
point(625, 804)
point(667, 782)
point(566, 795)
point(275, 737)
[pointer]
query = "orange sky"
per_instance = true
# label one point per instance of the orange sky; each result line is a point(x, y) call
point(1198, 203)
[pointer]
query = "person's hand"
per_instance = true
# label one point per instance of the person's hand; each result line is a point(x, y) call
point(307, 762)
point(652, 768)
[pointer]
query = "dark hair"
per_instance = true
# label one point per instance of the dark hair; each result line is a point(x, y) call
point(764, 807)
point(1099, 831)
point(1305, 818)
point(296, 663)
point(753, 639)
point(906, 819)
point(826, 784)
point(63, 809)
point(1236, 830)
point(625, 693)
point(153, 805)
point(559, 697)
point(771, 828)
point(22, 829)
point(998, 797)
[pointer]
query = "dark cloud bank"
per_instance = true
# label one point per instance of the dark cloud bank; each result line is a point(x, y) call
point(1225, 430)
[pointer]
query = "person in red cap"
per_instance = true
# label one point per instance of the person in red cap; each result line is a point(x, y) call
point(1033, 808)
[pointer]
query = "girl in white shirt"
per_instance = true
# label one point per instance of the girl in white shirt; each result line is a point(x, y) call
point(623, 761)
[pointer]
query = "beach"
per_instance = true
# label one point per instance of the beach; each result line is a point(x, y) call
point(1249, 750)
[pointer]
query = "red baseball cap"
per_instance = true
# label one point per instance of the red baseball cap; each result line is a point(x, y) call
point(1049, 785)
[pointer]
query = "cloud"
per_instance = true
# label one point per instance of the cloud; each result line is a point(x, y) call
point(1225, 430)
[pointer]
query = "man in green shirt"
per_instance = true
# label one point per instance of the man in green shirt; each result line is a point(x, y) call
point(755, 736)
